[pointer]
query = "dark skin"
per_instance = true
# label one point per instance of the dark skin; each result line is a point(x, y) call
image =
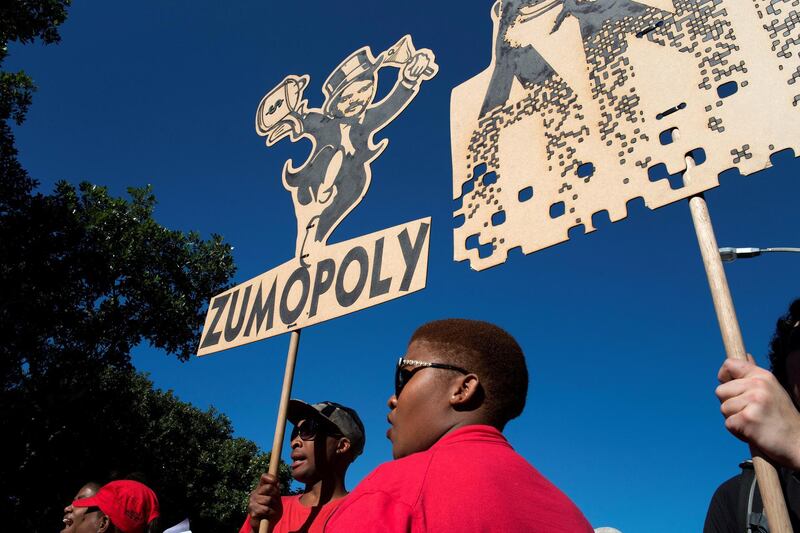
point(73, 516)
point(433, 403)
point(321, 464)
point(95, 521)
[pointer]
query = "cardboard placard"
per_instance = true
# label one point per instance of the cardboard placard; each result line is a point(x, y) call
point(588, 104)
point(326, 281)
point(349, 276)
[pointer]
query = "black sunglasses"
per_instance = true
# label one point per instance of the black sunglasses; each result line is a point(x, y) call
point(403, 375)
point(309, 428)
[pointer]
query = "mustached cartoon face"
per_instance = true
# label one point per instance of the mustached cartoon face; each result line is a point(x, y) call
point(354, 99)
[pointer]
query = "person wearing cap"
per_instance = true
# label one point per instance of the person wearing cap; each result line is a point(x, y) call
point(456, 387)
point(73, 516)
point(123, 506)
point(325, 440)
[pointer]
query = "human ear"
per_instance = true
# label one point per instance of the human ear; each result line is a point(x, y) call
point(104, 524)
point(343, 445)
point(467, 392)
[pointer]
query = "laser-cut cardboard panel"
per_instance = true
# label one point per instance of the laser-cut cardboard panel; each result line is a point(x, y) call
point(588, 104)
point(345, 277)
point(337, 174)
point(327, 281)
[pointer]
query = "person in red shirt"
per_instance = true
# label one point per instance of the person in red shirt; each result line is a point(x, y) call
point(122, 506)
point(326, 439)
point(456, 387)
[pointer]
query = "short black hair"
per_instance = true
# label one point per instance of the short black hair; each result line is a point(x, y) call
point(779, 346)
point(490, 352)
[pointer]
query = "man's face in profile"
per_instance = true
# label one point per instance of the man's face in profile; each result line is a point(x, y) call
point(313, 451)
point(419, 415)
point(74, 516)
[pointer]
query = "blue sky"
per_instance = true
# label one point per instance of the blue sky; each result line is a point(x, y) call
point(618, 326)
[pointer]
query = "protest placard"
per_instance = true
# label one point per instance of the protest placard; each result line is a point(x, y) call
point(345, 277)
point(589, 104)
point(323, 280)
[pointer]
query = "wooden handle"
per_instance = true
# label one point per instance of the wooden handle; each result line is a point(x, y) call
point(767, 476)
point(280, 425)
point(717, 281)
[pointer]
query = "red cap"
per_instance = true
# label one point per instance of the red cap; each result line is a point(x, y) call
point(129, 504)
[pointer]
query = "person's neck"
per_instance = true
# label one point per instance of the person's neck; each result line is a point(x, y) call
point(324, 491)
point(463, 421)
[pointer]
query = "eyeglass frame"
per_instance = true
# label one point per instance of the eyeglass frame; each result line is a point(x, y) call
point(320, 428)
point(400, 382)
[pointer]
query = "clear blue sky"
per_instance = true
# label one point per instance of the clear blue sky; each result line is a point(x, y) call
point(618, 326)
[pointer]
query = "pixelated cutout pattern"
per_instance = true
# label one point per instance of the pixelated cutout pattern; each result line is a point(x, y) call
point(592, 103)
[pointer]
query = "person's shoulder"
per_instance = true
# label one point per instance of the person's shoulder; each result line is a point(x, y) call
point(400, 479)
point(331, 507)
point(290, 500)
point(724, 510)
point(408, 470)
point(729, 489)
point(387, 496)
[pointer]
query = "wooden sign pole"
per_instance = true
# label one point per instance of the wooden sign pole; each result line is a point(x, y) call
point(516, 128)
point(767, 476)
point(398, 256)
point(280, 425)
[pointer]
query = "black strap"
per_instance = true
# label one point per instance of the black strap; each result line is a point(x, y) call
point(743, 505)
point(750, 517)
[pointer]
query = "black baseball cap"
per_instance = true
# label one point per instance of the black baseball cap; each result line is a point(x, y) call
point(343, 418)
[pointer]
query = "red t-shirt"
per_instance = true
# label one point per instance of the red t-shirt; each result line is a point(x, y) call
point(295, 515)
point(470, 480)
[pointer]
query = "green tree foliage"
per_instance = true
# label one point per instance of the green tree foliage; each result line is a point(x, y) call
point(92, 276)
point(21, 21)
point(113, 423)
point(84, 278)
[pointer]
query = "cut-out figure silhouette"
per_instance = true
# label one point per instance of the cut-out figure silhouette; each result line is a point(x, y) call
point(526, 64)
point(522, 62)
point(592, 14)
point(336, 175)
